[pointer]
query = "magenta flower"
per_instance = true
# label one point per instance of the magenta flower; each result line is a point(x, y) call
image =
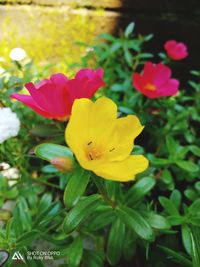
point(175, 50)
point(53, 98)
point(155, 81)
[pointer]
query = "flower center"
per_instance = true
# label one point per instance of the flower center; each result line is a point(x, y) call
point(150, 86)
point(95, 152)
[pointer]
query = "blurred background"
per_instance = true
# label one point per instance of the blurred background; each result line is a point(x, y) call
point(48, 29)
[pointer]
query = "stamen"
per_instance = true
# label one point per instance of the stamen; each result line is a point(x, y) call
point(89, 143)
point(90, 155)
point(112, 149)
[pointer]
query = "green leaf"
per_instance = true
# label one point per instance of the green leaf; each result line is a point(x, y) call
point(139, 190)
point(195, 150)
point(24, 214)
point(148, 37)
point(129, 244)
point(186, 238)
point(176, 220)
point(75, 252)
point(76, 187)
point(44, 203)
point(46, 131)
point(49, 151)
point(11, 194)
point(49, 169)
point(144, 56)
point(108, 37)
point(195, 207)
point(195, 237)
point(93, 258)
point(167, 177)
point(135, 222)
point(187, 165)
point(197, 186)
point(171, 145)
point(125, 110)
point(115, 242)
point(27, 238)
point(102, 218)
point(176, 257)
point(175, 197)
point(113, 190)
point(191, 194)
point(168, 205)
point(129, 29)
point(158, 161)
point(158, 222)
point(195, 220)
point(83, 209)
point(9, 228)
point(128, 57)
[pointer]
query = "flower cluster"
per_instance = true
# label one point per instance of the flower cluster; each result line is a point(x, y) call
point(9, 124)
point(101, 142)
point(53, 98)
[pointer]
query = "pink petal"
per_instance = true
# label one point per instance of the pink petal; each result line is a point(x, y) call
point(162, 74)
point(59, 79)
point(169, 89)
point(89, 73)
point(85, 84)
point(50, 97)
point(42, 83)
point(149, 72)
point(82, 88)
point(170, 44)
point(28, 101)
point(137, 81)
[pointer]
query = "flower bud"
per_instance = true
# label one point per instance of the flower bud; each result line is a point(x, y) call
point(63, 164)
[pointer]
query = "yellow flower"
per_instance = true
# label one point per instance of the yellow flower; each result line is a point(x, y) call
point(102, 142)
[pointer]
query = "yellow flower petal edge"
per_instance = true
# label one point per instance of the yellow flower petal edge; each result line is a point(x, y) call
point(124, 170)
point(102, 142)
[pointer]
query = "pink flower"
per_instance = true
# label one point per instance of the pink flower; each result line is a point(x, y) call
point(53, 98)
point(176, 51)
point(155, 81)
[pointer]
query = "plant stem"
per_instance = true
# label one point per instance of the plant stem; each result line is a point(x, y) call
point(102, 191)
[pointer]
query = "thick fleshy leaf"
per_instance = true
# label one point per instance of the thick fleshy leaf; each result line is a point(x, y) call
point(76, 187)
point(139, 190)
point(84, 208)
point(135, 222)
point(49, 151)
point(115, 242)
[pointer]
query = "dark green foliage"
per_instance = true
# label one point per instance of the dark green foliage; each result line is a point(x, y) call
point(151, 222)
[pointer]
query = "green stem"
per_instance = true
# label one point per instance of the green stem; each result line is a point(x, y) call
point(102, 190)
point(46, 183)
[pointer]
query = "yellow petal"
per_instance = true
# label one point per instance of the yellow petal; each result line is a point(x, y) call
point(122, 137)
point(76, 132)
point(103, 115)
point(89, 122)
point(122, 171)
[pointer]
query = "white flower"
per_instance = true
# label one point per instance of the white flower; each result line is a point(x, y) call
point(9, 124)
point(12, 174)
point(4, 166)
point(89, 49)
point(17, 54)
